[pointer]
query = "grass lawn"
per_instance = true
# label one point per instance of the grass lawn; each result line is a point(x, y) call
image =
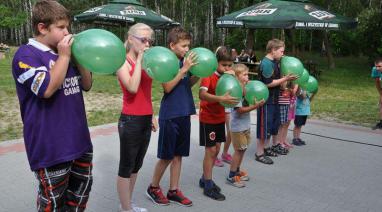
point(346, 94)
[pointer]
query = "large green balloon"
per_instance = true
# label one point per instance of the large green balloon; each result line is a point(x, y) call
point(255, 91)
point(311, 85)
point(291, 65)
point(303, 78)
point(229, 83)
point(99, 51)
point(160, 63)
point(206, 62)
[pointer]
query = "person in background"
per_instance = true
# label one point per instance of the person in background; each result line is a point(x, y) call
point(376, 74)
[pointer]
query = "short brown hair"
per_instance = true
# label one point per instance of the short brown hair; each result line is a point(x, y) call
point(378, 60)
point(274, 44)
point(176, 34)
point(48, 12)
point(223, 54)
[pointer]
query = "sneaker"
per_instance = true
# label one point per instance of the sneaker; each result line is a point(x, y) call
point(218, 163)
point(235, 181)
point(377, 126)
point(297, 142)
point(268, 152)
point(243, 176)
point(156, 195)
point(279, 149)
point(302, 142)
point(179, 198)
point(201, 185)
point(121, 210)
point(138, 209)
point(227, 158)
point(214, 194)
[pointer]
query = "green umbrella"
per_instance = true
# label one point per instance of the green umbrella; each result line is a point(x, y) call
point(287, 14)
point(122, 12)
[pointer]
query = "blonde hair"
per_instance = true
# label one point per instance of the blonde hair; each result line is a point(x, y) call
point(274, 44)
point(239, 69)
point(134, 30)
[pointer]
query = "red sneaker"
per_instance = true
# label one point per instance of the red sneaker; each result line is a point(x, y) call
point(179, 198)
point(156, 195)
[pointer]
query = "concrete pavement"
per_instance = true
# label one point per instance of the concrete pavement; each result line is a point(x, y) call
point(339, 169)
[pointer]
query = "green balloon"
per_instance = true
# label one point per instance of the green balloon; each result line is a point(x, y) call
point(229, 83)
point(160, 63)
point(206, 62)
point(303, 78)
point(291, 65)
point(99, 51)
point(255, 91)
point(311, 85)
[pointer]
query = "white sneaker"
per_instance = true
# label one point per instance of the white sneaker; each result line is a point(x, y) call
point(121, 210)
point(138, 209)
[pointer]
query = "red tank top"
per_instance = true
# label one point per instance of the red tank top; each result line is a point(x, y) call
point(140, 102)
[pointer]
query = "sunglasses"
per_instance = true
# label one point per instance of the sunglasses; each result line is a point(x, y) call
point(144, 40)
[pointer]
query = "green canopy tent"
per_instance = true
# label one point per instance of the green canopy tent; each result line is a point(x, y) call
point(286, 14)
point(124, 12)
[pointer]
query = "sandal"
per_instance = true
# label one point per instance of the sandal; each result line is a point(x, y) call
point(268, 152)
point(263, 159)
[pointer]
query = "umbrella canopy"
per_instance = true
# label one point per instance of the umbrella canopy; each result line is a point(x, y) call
point(122, 12)
point(286, 14)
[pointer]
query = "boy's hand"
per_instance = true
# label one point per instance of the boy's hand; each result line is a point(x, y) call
point(291, 77)
point(64, 46)
point(188, 62)
point(259, 104)
point(228, 99)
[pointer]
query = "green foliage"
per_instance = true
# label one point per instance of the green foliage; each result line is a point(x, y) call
point(9, 18)
point(369, 32)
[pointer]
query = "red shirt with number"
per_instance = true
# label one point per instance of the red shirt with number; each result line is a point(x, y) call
point(211, 112)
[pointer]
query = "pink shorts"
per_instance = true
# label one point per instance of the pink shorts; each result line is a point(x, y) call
point(292, 108)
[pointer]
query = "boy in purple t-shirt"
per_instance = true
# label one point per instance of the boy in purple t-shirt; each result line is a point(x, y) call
point(49, 89)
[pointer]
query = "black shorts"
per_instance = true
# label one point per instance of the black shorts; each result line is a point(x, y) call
point(300, 120)
point(209, 134)
point(134, 136)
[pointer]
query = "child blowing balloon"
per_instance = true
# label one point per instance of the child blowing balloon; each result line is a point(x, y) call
point(240, 130)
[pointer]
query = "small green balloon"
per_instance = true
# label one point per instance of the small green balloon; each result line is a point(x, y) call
point(291, 65)
point(160, 63)
point(229, 83)
point(255, 91)
point(303, 78)
point(99, 51)
point(206, 62)
point(311, 85)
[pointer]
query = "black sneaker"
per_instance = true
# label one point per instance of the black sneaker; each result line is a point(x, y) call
point(213, 193)
point(302, 142)
point(201, 185)
point(269, 152)
point(297, 142)
point(377, 126)
point(279, 149)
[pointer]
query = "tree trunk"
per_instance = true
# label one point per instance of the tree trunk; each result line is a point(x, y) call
point(211, 41)
point(329, 51)
point(249, 44)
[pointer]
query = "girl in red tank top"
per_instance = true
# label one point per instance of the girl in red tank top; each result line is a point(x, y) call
point(136, 121)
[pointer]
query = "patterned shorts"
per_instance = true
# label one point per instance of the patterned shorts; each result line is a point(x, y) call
point(284, 109)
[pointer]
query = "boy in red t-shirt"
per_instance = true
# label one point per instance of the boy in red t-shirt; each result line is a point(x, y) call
point(212, 121)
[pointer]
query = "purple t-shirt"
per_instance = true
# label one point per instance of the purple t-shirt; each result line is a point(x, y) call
point(55, 128)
